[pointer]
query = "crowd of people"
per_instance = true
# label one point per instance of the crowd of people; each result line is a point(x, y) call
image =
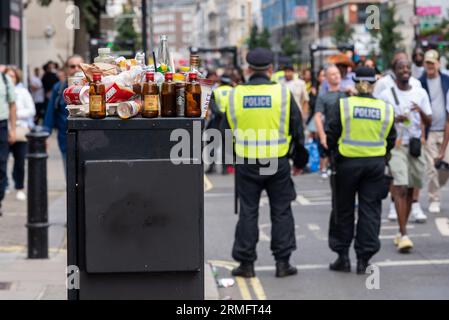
point(23, 108)
point(418, 90)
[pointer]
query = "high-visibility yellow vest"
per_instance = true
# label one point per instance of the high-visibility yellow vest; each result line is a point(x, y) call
point(366, 123)
point(259, 116)
point(280, 75)
point(221, 95)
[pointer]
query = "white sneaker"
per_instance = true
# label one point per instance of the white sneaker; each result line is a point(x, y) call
point(434, 207)
point(324, 175)
point(418, 215)
point(20, 195)
point(392, 216)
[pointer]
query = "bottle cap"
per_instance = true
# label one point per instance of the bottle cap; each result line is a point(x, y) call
point(97, 76)
point(168, 76)
point(149, 76)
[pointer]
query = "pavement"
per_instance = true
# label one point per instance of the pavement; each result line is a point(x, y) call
point(421, 274)
point(31, 279)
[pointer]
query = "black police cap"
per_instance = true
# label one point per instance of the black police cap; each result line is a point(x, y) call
point(364, 74)
point(260, 58)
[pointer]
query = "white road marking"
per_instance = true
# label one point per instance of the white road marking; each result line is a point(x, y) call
point(302, 200)
point(396, 227)
point(421, 235)
point(443, 226)
point(262, 235)
point(387, 263)
point(409, 263)
point(313, 227)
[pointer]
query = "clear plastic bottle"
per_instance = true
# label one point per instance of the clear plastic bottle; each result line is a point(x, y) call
point(104, 56)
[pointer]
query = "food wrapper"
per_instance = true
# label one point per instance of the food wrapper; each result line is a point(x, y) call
point(116, 93)
point(105, 69)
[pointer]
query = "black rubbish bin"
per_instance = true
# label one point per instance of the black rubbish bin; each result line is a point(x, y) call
point(135, 218)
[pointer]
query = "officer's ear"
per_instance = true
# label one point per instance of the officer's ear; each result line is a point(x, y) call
point(270, 70)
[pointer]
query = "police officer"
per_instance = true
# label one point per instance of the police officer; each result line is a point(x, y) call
point(265, 121)
point(218, 101)
point(361, 134)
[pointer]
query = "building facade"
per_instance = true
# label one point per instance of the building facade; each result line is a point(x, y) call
point(355, 14)
point(293, 18)
point(49, 33)
point(11, 30)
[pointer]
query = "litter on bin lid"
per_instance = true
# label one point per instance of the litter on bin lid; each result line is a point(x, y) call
point(226, 283)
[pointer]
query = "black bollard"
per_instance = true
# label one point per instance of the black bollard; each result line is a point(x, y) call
point(37, 222)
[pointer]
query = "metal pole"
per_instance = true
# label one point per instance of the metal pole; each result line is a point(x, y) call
point(415, 26)
point(151, 25)
point(37, 220)
point(144, 27)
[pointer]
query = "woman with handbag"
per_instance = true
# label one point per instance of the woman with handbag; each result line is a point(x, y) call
point(26, 111)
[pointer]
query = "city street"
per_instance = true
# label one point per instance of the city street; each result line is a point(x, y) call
point(422, 274)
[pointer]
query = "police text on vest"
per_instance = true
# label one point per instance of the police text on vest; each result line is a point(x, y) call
point(367, 113)
point(256, 102)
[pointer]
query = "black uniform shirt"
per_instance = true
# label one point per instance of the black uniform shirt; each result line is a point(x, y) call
point(334, 129)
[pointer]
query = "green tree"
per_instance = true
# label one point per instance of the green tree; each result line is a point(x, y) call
point(126, 33)
point(288, 46)
point(389, 39)
point(258, 39)
point(90, 11)
point(264, 39)
point(253, 40)
point(342, 33)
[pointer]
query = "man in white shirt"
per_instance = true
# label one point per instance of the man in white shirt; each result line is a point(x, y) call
point(388, 80)
point(298, 90)
point(407, 163)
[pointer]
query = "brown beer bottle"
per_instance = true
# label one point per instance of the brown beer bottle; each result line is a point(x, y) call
point(150, 97)
point(193, 97)
point(97, 98)
point(168, 96)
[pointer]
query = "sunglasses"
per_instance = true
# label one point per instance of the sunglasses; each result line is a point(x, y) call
point(74, 66)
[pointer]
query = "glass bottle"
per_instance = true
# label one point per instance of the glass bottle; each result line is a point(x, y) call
point(150, 97)
point(163, 55)
point(97, 98)
point(194, 63)
point(193, 96)
point(168, 96)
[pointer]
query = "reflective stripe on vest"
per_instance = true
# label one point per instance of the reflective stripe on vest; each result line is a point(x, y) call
point(365, 123)
point(249, 146)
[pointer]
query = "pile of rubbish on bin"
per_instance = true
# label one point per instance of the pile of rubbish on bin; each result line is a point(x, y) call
point(127, 88)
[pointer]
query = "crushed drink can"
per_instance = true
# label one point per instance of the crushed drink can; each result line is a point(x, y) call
point(76, 95)
point(128, 109)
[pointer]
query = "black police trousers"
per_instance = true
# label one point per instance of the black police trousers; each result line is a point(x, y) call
point(365, 177)
point(280, 189)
